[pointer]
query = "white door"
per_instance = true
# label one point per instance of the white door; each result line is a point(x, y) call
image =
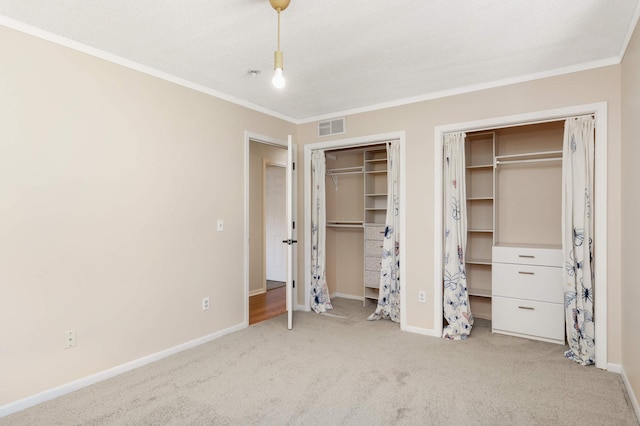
point(275, 222)
point(290, 232)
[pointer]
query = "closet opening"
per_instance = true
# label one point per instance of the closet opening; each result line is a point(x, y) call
point(515, 216)
point(356, 196)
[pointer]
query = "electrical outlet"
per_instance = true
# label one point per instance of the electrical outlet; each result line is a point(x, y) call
point(69, 339)
point(422, 296)
point(205, 303)
point(220, 225)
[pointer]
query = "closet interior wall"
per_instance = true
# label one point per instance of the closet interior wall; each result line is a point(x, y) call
point(345, 215)
point(356, 205)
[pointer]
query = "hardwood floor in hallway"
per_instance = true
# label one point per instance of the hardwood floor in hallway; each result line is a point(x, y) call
point(267, 305)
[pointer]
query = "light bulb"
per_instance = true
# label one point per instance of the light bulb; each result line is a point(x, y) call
point(278, 79)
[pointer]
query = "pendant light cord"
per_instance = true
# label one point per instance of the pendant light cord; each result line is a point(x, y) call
point(278, 28)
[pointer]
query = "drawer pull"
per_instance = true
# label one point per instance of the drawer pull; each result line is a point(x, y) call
point(528, 308)
point(526, 273)
point(526, 256)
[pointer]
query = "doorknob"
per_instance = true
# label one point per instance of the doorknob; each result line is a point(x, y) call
point(289, 242)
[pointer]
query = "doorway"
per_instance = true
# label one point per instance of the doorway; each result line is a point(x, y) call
point(266, 223)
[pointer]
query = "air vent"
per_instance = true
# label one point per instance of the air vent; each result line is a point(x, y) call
point(331, 127)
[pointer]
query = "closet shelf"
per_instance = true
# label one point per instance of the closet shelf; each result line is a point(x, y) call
point(488, 231)
point(376, 195)
point(479, 292)
point(472, 261)
point(373, 172)
point(479, 198)
point(480, 166)
point(376, 160)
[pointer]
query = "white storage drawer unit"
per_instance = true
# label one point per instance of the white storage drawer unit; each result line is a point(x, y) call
point(527, 292)
point(373, 236)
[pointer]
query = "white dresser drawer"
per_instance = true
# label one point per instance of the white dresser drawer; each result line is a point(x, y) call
point(374, 233)
point(531, 319)
point(542, 283)
point(372, 279)
point(527, 255)
point(373, 248)
point(373, 263)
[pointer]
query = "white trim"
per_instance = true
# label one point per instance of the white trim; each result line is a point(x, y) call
point(348, 143)
point(632, 27)
point(347, 296)
point(58, 391)
point(600, 268)
point(267, 140)
point(257, 291)
point(424, 331)
point(614, 368)
point(89, 50)
point(632, 395)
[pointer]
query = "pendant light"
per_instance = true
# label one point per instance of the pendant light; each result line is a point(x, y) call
point(278, 63)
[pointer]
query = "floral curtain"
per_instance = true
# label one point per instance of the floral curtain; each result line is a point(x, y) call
point(320, 300)
point(457, 310)
point(389, 295)
point(577, 239)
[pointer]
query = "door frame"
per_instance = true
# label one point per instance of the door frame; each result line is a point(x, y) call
point(279, 143)
point(599, 110)
point(360, 141)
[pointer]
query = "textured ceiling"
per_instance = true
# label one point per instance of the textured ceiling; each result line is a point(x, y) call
point(341, 55)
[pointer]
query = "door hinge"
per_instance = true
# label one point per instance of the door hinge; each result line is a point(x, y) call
point(294, 165)
point(294, 225)
point(294, 283)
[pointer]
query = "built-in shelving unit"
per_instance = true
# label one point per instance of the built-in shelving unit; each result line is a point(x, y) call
point(375, 212)
point(479, 159)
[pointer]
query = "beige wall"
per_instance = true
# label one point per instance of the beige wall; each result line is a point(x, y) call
point(631, 211)
point(258, 153)
point(111, 182)
point(419, 120)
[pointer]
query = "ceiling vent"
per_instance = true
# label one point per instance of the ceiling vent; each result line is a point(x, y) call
point(331, 127)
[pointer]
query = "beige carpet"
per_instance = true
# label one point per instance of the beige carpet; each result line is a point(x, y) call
point(348, 371)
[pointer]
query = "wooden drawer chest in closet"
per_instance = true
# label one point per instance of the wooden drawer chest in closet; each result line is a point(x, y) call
point(373, 236)
point(527, 292)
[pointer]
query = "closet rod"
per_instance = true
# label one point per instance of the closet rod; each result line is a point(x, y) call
point(537, 160)
point(345, 171)
point(529, 154)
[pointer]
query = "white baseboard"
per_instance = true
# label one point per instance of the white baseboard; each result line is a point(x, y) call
point(614, 368)
point(632, 395)
point(299, 307)
point(347, 296)
point(424, 331)
point(257, 291)
point(38, 398)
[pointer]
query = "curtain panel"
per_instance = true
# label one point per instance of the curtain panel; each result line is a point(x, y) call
point(457, 310)
point(577, 240)
point(320, 301)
